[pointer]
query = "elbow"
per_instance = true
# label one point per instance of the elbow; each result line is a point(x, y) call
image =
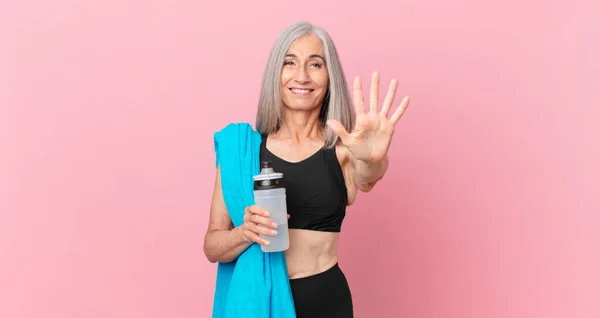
point(209, 256)
point(208, 253)
point(214, 257)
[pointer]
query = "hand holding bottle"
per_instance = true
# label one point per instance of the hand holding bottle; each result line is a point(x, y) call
point(254, 217)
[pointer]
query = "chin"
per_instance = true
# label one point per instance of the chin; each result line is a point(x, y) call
point(301, 106)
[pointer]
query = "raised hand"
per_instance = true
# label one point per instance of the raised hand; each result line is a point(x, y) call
point(373, 130)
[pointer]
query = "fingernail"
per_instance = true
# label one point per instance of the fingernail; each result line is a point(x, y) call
point(274, 232)
point(274, 224)
point(267, 243)
point(267, 213)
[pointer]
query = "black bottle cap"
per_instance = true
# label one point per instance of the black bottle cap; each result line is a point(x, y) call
point(268, 179)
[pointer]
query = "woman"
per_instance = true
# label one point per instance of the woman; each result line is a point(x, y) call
point(326, 153)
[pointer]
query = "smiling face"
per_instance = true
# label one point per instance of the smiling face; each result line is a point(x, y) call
point(304, 77)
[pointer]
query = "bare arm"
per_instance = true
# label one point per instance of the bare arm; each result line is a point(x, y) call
point(223, 242)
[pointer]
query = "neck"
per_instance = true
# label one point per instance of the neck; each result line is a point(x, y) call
point(300, 125)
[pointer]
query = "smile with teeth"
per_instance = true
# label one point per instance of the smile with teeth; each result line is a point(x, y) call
point(299, 91)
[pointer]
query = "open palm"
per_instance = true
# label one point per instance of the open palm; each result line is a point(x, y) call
point(373, 130)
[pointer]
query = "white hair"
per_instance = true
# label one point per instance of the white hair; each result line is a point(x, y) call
point(336, 104)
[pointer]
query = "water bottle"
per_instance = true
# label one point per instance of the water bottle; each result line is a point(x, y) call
point(269, 193)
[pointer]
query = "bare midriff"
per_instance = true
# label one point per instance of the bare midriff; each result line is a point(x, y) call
point(311, 252)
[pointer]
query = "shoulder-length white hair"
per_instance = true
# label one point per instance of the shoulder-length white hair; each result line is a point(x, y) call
point(336, 104)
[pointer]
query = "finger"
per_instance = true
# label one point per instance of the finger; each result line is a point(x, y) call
point(359, 103)
point(260, 229)
point(374, 92)
point(288, 216)
point(255, 209)
point(262, 220)
point(338, 129)
point(255, 238)
point(389, 98)
point(398, 113)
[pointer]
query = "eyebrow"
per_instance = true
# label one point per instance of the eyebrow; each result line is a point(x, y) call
point(311, 56)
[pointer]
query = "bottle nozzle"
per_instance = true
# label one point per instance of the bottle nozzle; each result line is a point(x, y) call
point(265, 164)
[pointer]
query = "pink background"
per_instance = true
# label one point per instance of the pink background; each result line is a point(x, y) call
point(490, 207)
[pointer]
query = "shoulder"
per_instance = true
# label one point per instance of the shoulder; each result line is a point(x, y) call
point(235, 131)
point(235, 127)
point(235, 140)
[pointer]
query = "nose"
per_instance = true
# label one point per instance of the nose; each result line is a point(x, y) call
point(302, 76)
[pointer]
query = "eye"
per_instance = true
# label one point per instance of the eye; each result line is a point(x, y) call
point(317, 65)
point(288, 63)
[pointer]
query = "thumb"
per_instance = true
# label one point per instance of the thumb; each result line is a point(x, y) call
point(338, 129)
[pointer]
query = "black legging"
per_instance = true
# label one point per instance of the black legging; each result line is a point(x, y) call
point(322, 295)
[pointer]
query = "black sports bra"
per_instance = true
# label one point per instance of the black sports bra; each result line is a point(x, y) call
point(315, 189)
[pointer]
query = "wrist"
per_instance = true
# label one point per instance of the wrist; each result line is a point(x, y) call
point(373, 164)
point(369, 171)
point(240, 233)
